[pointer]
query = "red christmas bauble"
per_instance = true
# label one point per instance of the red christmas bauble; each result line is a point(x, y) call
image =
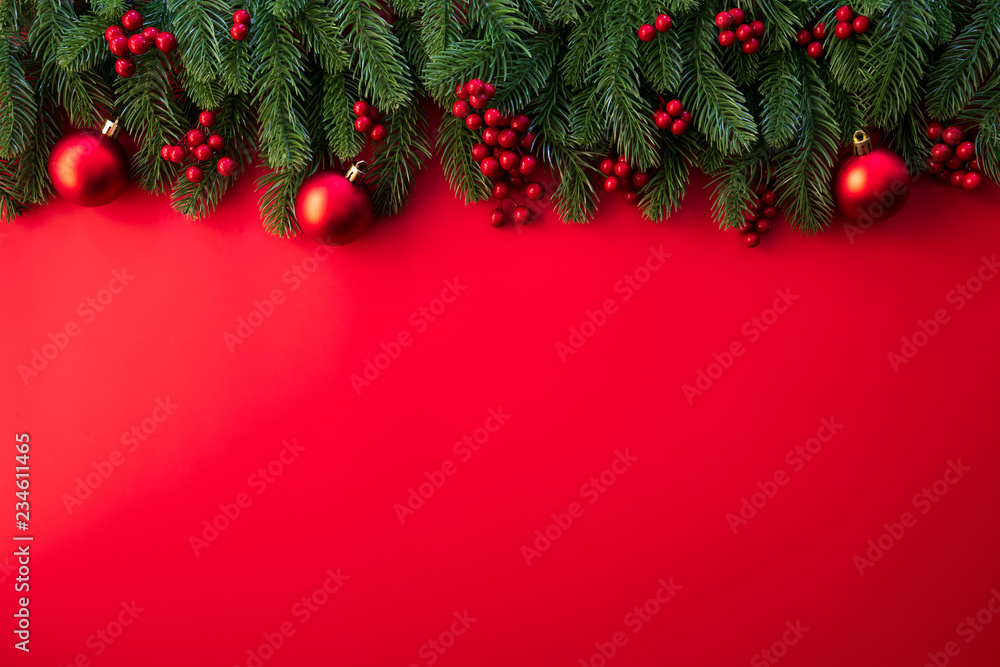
point(873, 183)
point(89, 168)
point(334, 208)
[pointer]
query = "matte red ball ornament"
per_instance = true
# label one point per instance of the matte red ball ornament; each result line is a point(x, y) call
point(334, 208)
point(873, 183)
point(89, 168)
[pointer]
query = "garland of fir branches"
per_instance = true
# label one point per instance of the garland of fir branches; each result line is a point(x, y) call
point(574, 66)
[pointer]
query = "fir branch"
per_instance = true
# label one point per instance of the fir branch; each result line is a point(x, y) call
point(779, 89)
point(461, 61)
point(500, 22)
point(397, 159)
point(407, 9)
point(780, 21)
point(338, 119)
point(565, 11)
point(197, 24)
point(32, 182)
point(17, 100)
point(965, 63)
point(440, 24)
point(735, 184)
point(661, 62)
point(848, 110)
point(529, 74)
point(82, 46)
point(378, 56)
point(666, 188)
point(109, 10)
point(910, 138)
point(413, 47)
point(317, 26)
point(582, 44)
point(454, 145)
point(843, 60)
point(575, 198)
point(288, 9)
point(277, 202)
point(9, 206)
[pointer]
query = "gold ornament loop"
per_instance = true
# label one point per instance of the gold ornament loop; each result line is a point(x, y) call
point(111, 128)
point(862, 143)
point(357, 171)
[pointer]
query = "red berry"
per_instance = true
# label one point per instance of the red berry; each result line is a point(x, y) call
point(378, 133)
point(845, 13)
point(952, 135)
point(769, 212)
point(972, 180)
point(132, 20)
point(480, 151)
point(934, 131)
point(768, 198)
point(501, 190)
point(534, 191)
point(226, 167)
point(125, 67)
point(940, 152)
point(639, 179)
point(631, 198)
point(165, 152)
point(763, 226)
point(507, 138)
point(241, 16)
point(723, 20)
point(460, 91)
point(943, 177)
point(953, 163)
point(178, 154)
point(957, 178)
point(489, 90)
point(527, 140)
point(204, 152)
point(751, 240)
point(138, 45)
point(746, 227)
point(195, 174)
point(737, 15)
point(625, 184)
point(477, 101)
point(819, 31)
point(675, 108)
point(974, 165)
point(861, 24)
point(744, 32)
point(460, 109)
point(965, 151)
point(473, 121)
point(112, 32)
point(815, 50)
point(362, 123)
point(490, 167)
point(362, 108)
point(803, 37)
point(520, 123)
point(758, 28)
point(934, 167)
point(515, 179)
point(239, 31)
point(492, 117)
point(607, 166)
point(727, 38)
point(497, 218)
point(491, 136)
point(662, 119)
point(522, 215)
point(662, 23)
point(166, 42)
point(195, 138)
point(843, 30)
point(216, 142)
point(679, 127)
point(119, 46)
point(623, 170)
point(611, 184)
point(475, 87)
point(528, 165)
point(751, 45)
point(646, 32)
point(509, 160)
point(686, 117)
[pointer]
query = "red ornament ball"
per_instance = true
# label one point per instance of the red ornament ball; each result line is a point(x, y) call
point(527, 140)
point(646, 32)
point(974, 165)
point(662, 120)
point(723, 20)
point(845, 13)
point(166, 42)
point(861, 24)
point(611, 184)
point(216, 142)
point(534, 191)
point(662, 23)
point(952, 135)
point(125, 67)
point(239, 31)
point(769, 212)
point(195, 174)
point(241, 16)
point(489, 90)
point(632, 198)
point(819, 31)
point(843, 30)
point(965, 151)
point(953, 163)
point(522, 215)
point(378, 133)
point(119, 46)
point(331, 209)
point(874, 185)
point(226, 167)
point(751, 240)
point(727, 38)
point(935, 167)
point(815, 50)
point(527, 165)
point(165, 152)
point(803, 37)
point(737, 15)
point(88, 168)
point(473, 121)
point(686, 117)
point(746, 227)
point(460, 91)
point(972, 180)
point(751, 45)
point(132, 20)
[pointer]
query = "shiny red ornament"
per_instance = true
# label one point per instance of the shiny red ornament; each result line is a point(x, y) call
point(166, 42)
point(89, 168)
point(940, 152)
point(632, 198)
point(477, 101)
point(460, 109)
point(195, 137)
point(662, 23)
point(475, 87)
point(662, 119)
point(460, 91)
point(334, 208)
point(764, 225)
point(361, 108)
point(935, 167)
point(647, 32)
point(489, 90)
point(607, 166)
point(953, 163)
point(490, 167)
point(112, 32)
point(490, 136)
point(520, 123)
point(226, 167)
point(501, 190)
point(872, 184)
point(178, 154)
point(138, 45)
point(132, 20)
point(204, 152)
point(958, 178)
point(769, 212)
point(363, 124)
point(746, 227)
point(239, 32)
point(493, 117)
point(509, 160)
point(165, 152)
point(206, 119)
point(507, 138)
point(527, 140)
point(623, 169)
point(768, 198)
point(934, 131)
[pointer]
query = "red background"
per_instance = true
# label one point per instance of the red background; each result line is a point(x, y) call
point(494, 347)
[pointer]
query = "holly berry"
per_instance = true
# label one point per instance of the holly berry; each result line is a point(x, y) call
point(460, 91)
point(378, 133)
point(763, 226)
point(489, 90)
point(751, 45)
point(972, 180)
point(479, 152)
point(843, 30)
point(507, 138)
point(974, 165)
point(178, 154)
point(623, 169)
point(662, 23)
point(138, 45)
point(675, 108)
point(501, 190)
point(639, 179)
point(362, 123)
point(522, 215)
point(195, 174)
point(497, 218)
point(509, 160)
point(746, 227)
point(119, 46)
point(515, 180)
point(632, 198)
point(203, 152)
point(803, 37)
point(845, 13)
point(934, 131)
point(723, 20)
point(241, 16)
point(239, 31)
point(727, 38)
point(611, 184)
point(218, 143)
point(361, 108)
point(769, 212)
point(475, 87)
point(819, 31)
point(940, 152)
point(768, 198)
point(460, 109)
point(132, 20)
point(195, 138)
point(758, 28)
point(166, 42)
point(662, 119)
point(815, 50)
point(957, 178)
point(473, 121)
point(490, 167)
point(112, 32)
point(534, 191)
point(952, 135)
point(678, 127)
point(520, 123)
point(965, 151)
point(646, 32)
point(934, 167)
point(953, 163)
point(744, 32)
point(125, 67)
point(149, 34)
point(751, 240)
point(527, 140)
point(492, 117)
point(165, 152)
point(226, 167)
point(477, 101)
point(861, 24)
point(737, 15)
point(527, 165)
point(686, 117)
point(607, 166)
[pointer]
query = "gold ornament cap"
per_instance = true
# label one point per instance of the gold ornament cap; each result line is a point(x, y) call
point(862, 143)
point(111, 128)
point(357, 171)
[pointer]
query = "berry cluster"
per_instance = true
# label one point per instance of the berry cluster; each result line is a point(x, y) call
point(848, 24)
point(647, 33)
point(757, 218)
point(503, 153)
point(672, 115)
point(748, 33)
point(141, 41)
point(367, 121)
point(953, 160)
point(202, 146)
point(620, 177)
point(241, 25)
point(810, 39)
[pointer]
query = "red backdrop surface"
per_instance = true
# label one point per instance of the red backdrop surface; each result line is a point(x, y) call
point(522, 477)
